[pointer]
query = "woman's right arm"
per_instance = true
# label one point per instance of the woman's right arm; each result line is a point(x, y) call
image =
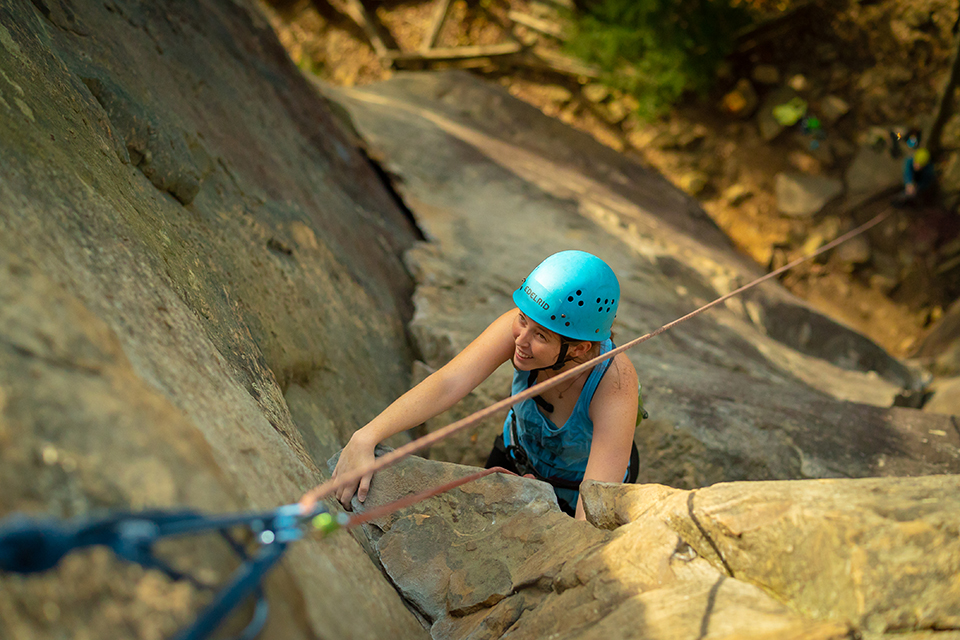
point(437, 393)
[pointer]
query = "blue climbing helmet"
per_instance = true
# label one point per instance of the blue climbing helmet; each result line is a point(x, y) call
point(572, 293)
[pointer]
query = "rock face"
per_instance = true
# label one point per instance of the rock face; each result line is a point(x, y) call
point(878, 554)
point(762, 389)
point(795, 559)
point(204, 289)
point(186, 235)
point(759, 389)
point(940, 349)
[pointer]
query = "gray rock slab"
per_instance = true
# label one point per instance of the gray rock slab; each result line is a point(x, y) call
point(940, 348)
point(194, 236)
point(946, 399)
point(760, 388)
point(801, 195)
point(873, 171)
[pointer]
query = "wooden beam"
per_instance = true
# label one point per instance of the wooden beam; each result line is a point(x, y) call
point(358, 13)
point(457, 53)
point(439, 15)
point(562, 4)
point(549, 60)
point(546, 27)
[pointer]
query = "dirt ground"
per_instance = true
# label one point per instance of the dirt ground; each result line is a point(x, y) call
point(885, 61)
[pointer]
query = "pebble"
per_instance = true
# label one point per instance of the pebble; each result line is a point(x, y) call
point(798, 83)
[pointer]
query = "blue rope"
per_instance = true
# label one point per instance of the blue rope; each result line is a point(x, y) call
point(34, 545)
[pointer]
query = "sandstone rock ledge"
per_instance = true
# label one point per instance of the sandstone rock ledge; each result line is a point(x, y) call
point(805, 559)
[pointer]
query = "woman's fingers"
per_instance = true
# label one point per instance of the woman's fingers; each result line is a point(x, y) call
point(364, 487)
point(345, 494)
point(353, 457)
point(306, 503)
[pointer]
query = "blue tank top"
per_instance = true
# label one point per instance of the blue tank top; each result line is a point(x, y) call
point(556, 452)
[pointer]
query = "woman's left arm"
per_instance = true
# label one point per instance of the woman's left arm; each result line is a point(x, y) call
point(614, 415)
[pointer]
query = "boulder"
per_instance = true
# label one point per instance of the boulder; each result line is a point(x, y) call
point(769, 127)
point(876, 554)
point(872, 171)
point(736, 194)
point(940, 348)
point(832, 108)
point(854, 251)
point(798, 82)
point(596, 92)
point(742, 101)
point(801, 195)
point(496, 557)
point(799, 559)
point(693, 182)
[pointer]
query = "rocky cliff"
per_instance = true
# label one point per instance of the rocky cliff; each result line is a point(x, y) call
point(189, 245)
point(765, 388)
point(206, 287)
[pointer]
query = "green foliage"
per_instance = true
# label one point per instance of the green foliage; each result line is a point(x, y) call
point(657, 49)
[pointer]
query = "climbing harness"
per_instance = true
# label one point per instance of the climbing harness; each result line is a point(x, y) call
point(521, 460)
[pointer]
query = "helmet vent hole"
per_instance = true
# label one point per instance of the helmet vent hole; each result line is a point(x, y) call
point(581, 303)
point(553, 317)
point(598, 300)
point(579, 293)
point(567, 324)
point(563, 315)
point(596, 330)
point(600, 309)
point(608, 309)
point(606, 302)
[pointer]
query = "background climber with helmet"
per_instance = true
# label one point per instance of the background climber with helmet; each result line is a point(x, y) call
point(582, 429)
point(918, 179)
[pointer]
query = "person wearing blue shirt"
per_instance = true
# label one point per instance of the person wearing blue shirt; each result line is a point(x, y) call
point(918, 178)
point(579, 430)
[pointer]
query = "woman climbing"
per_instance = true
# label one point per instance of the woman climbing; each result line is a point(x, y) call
point(581, 429)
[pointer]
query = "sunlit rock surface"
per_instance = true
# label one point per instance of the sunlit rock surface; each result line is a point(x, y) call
point(881, 554)
point(783, 559)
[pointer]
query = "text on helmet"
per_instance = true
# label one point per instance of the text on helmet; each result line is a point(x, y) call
point(536, 299)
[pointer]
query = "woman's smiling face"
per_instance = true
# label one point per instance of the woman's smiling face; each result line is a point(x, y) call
point(534, 346)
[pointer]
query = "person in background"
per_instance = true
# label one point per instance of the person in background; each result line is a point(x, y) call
point(918, 179)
